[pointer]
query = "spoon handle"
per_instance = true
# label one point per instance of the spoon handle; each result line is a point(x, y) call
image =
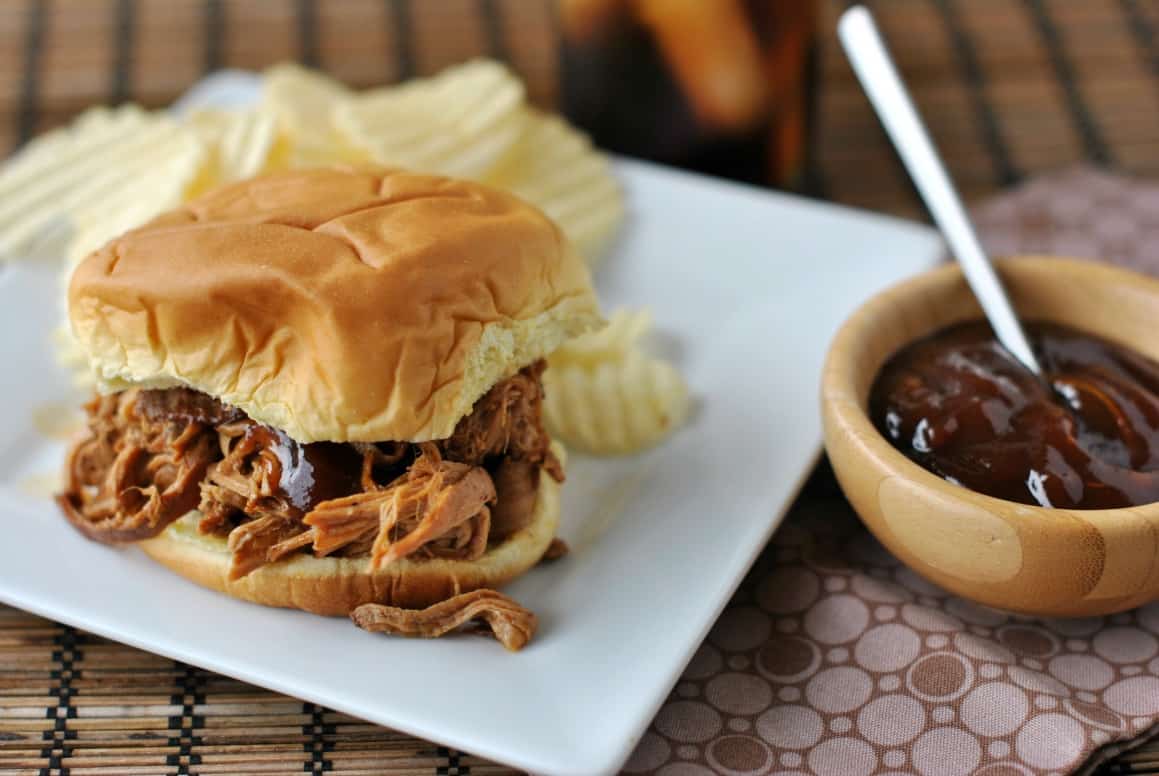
point(882, 84)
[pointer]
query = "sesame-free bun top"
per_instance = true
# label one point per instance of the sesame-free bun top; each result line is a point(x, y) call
point(340, 304)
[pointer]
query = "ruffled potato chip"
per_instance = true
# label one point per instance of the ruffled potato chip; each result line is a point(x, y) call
point(604, 394)
point(556, 167)
point(105, 161)
point(302, 104)
point(461, 122)
point(241, 143)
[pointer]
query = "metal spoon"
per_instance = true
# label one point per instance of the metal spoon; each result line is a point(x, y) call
point(882, 84)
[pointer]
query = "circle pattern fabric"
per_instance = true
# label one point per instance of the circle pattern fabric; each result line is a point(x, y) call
point(928, 684)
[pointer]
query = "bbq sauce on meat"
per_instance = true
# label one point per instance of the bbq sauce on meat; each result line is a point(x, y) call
point(312, 473)
point(960, 406)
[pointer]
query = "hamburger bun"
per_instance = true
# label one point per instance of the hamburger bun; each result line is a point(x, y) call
point(340, 304)
point(335, 586)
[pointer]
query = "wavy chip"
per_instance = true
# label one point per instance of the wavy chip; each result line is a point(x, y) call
point(241, 143)
point(614, 342)
point(105, 159)
point(461, 122)
point(302, 103)
point(157, 165)
point(556, 167)
point(614, 407)
point(603, 394)
point(114, 213)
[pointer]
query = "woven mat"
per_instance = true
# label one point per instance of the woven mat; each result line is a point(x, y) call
point(1012, 88)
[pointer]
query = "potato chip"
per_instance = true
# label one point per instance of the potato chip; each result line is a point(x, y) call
point(614, 407)
point(297, 155)
point(301, 99)
point(29, 179)
point(146, 187)
point(98, 164)
point(555, 167)
point(98, 125)
point(123, 210)
point(302, 103)
point(241, 142)
point(623, 333)
point(461, 122)
point(605, 394)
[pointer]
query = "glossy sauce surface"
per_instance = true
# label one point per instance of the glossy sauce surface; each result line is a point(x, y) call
point(960, 406)
point(312, 473)
point(308, 473)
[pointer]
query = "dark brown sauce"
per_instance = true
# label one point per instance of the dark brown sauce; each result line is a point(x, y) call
point(312, 473)
point(960, 406)
point(187, 406)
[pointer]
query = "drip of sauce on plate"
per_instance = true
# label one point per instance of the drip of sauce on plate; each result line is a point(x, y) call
point(960, 406)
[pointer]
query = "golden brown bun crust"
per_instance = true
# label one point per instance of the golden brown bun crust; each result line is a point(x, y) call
point(341, 304)
point(335, 586)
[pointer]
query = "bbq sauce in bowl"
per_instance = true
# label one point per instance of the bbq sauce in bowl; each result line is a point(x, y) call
point(960, 406)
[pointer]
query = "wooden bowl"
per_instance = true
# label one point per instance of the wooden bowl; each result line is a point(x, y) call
point(1007, 555)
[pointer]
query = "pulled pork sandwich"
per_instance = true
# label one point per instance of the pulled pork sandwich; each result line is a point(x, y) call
point(321, 389)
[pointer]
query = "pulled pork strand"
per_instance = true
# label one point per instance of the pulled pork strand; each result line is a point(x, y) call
point(379, 458)
point(436, 498)
point(517, 488)
point(507, 421)
point(289, 546)
point(131, 477)
point(187, 405)
point(254, 541)
point(511, 624)
point(245, 480)
point(429, 505)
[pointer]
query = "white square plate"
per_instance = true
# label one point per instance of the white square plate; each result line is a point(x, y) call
point(747, 288)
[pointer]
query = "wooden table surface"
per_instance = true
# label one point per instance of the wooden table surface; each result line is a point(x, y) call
point(1011, 88)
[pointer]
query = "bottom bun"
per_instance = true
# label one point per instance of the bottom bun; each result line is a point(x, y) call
point(335, 586)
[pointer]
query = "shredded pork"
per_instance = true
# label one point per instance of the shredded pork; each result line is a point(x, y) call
point(438, 507)
point(511, 624)
point(132, 477)
point(506, 422)
point(517, 488)
point(186, 405)
point(152, 456)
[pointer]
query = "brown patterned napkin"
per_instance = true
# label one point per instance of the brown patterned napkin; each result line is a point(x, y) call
point(835, 660)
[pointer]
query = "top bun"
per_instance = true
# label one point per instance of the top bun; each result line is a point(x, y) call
point(340, 304)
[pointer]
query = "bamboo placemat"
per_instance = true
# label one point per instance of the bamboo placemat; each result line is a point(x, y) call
point(1010, 87)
